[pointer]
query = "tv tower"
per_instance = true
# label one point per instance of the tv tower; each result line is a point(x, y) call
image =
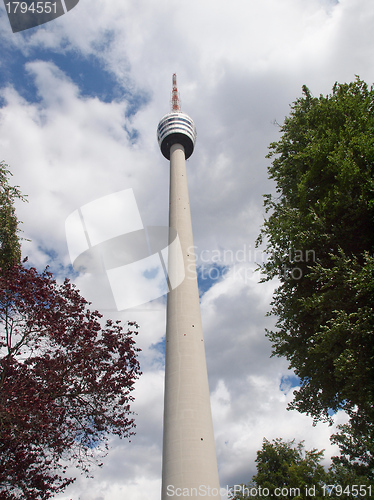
point(189, 463)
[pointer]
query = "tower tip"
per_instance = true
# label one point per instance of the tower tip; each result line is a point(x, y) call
point(175, 103)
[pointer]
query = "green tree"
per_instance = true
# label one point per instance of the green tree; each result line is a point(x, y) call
point(320, 241)
point(286, 471)
point(10, 248)
point(355, 464)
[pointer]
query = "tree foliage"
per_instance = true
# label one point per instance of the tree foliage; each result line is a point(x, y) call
point(65, 382)
point(10, 248)
point(320, 242)
point(290, 467)
point(355, 464)
point(286, 470)
point(66, 377)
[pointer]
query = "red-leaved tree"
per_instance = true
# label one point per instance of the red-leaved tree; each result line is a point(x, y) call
point(65, 383)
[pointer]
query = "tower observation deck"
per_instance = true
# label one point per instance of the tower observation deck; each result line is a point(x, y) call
point(176, 128)
point(189, 463)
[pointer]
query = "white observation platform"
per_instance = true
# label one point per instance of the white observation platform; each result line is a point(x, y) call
point(176, 128)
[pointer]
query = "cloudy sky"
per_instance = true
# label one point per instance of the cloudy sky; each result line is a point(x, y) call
point(81, 98)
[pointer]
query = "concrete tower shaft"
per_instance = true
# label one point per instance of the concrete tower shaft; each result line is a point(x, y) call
point(189, 464)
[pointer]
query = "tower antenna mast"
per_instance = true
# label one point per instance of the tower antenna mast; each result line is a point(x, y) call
point(175, 102)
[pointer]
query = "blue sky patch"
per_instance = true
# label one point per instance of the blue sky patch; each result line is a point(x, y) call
point(55, 265)
point(208, 275)
point(289, 382)
point(88, 73)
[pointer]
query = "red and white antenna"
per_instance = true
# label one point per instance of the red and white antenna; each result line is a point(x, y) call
point(175, 103)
